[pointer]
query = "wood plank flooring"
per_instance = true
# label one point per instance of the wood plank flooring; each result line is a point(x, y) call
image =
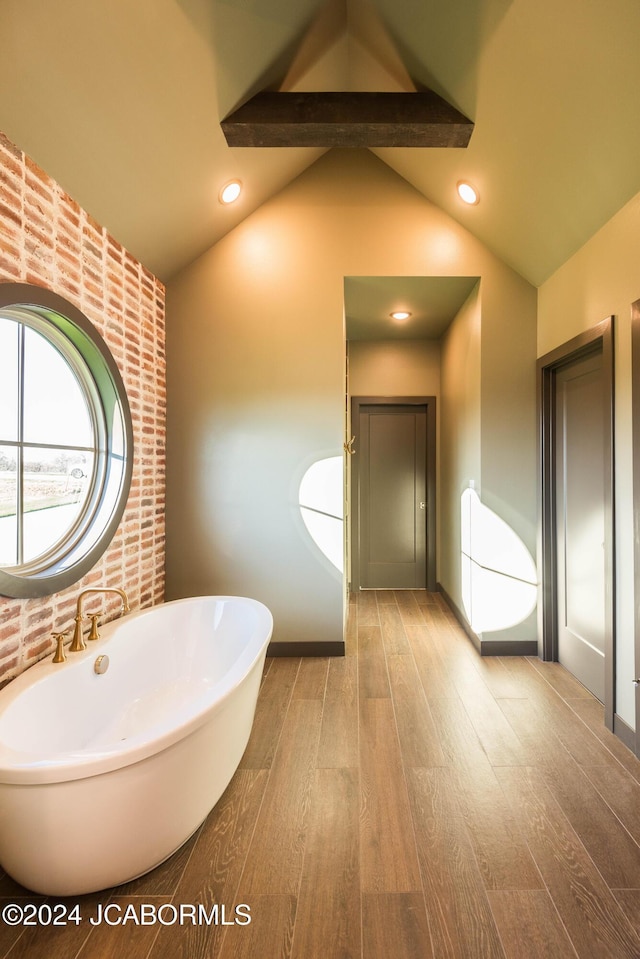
point(410, 800)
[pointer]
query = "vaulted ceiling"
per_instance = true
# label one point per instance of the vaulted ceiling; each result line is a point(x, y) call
point(121, 102)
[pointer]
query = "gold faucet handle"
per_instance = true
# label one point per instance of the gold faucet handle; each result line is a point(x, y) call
point(77, 642)
point(59, 655)
point(93, 632)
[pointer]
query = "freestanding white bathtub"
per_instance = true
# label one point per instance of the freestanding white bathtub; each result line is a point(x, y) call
point(102, 777)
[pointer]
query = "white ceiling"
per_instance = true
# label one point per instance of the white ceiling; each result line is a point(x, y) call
point(121, 100)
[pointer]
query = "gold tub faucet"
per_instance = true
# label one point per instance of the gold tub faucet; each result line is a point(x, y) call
point(78, 643)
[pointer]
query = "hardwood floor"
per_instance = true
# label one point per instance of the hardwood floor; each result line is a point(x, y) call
point(408, 800)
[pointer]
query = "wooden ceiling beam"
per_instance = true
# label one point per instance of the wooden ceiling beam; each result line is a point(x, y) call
point(421, 119)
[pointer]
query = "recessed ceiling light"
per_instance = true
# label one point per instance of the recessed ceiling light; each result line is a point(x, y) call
point(468, 193)
point(400, 315)
point(230, 191)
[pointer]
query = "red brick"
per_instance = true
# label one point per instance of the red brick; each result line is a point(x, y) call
point(67, 250)
point(94, 225)
point(10, 147)
point(33, 274)
point(9, 268)
point(10, 215)
point(36, 190)
point(10, 192)
point(36, 237)
point(69, 215)
point(38, 651)
point(38, 173)
point(68, 204)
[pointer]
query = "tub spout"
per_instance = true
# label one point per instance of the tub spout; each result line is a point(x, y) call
point(78, 643)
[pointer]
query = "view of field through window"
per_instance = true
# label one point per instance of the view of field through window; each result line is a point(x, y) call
point(47, 444)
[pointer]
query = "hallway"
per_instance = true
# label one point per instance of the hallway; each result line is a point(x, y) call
point(409, 800)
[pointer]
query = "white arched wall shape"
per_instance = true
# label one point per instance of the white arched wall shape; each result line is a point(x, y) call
point(499, 580)
point(322, 507)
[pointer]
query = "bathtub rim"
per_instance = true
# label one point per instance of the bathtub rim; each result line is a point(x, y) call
point(18, 768)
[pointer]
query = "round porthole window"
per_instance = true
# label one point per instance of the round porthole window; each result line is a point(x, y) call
point(66, 443)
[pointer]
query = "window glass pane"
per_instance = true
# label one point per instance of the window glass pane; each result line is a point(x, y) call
point(55, 408)
point(117, 433)
point(8, 379)
point(56, 484)
point(8, 500)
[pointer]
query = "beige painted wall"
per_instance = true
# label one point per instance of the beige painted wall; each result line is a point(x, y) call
point(255, 379)
point(600, 280)
point(460, 434)
point(394, 368)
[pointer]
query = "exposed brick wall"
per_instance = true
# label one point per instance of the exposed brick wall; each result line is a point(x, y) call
point(48, 240)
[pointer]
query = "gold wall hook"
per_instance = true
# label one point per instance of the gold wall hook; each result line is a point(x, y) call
point(348, 446)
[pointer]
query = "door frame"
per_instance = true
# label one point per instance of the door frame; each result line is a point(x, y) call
point(600, 336)
point(429, 402)
point(635, 448)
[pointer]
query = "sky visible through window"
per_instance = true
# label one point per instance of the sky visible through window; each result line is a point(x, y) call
point(47, 444)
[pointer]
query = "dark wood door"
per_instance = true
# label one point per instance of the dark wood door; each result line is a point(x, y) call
point(392, 497)
point(580, 521)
